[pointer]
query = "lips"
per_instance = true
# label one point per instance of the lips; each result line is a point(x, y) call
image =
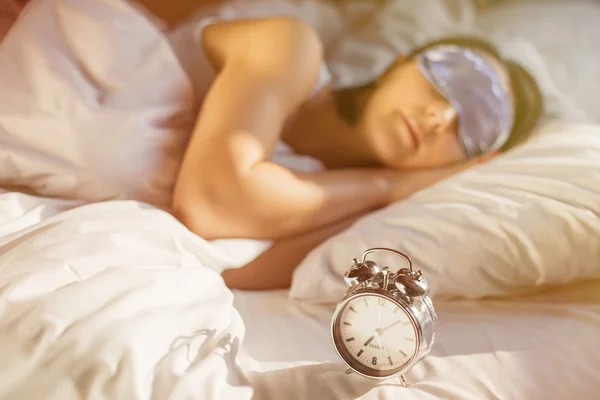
point(413, 130)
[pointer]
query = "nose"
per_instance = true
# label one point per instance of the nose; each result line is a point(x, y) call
point(440, 118)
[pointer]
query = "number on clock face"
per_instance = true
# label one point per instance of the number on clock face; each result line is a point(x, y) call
point(377, 333)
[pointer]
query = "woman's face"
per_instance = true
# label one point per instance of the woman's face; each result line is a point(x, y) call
point(410, 123)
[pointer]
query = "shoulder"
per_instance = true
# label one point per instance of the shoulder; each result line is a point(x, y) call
point(280, 46)
point(294, 30)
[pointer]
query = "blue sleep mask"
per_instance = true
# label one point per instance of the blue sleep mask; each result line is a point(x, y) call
point(478, 91)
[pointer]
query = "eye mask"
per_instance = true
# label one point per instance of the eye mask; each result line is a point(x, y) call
point(478, 91)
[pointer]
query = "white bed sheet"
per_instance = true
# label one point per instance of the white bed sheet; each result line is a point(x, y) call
point(538, 347)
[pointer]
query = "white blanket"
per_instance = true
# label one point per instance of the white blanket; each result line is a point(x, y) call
point(111, 300)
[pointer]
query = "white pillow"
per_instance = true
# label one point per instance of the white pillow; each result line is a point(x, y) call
point(524, 30)
point(560, 42)
point(95, 104)
point(529, 219)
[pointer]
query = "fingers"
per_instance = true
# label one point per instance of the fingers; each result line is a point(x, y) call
point(474, 162)
point(486, 157)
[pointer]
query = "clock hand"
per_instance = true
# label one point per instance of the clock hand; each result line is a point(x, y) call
point(381, 330)
point(376, 330)
point(369, 340)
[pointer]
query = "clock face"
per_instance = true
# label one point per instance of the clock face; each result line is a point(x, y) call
point(375, 335)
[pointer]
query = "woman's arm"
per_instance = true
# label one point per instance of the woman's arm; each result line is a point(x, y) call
point(274, 268)
point(227, 187)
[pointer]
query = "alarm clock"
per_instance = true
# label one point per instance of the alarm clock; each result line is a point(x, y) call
point(386, 322)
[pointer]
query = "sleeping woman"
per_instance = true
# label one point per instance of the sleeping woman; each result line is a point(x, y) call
point(442, 108)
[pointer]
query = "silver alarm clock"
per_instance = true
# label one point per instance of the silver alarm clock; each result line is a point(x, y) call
point(386, 322)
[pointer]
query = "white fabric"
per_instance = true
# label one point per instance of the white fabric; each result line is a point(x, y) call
point(533, 348)
point(112, 300)
point(559, 42)
point(118, 300)
point(99, 106)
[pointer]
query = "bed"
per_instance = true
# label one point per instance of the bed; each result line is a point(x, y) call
point(114, 298)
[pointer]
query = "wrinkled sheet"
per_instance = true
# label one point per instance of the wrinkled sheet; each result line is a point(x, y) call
point(112, 300)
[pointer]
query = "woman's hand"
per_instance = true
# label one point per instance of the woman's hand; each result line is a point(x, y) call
point(274, 268)
point(409, 182)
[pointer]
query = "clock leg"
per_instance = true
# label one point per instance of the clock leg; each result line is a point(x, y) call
point(348, 371)
point(403, 380)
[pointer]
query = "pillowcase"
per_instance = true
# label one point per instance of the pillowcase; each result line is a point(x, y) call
point(558, 41)
point(528, 219)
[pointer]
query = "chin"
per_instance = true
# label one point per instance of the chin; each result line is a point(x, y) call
point(409, 163)
point(398, 155)
point(401, 161)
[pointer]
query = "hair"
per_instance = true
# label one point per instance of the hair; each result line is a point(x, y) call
point(526, 92)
